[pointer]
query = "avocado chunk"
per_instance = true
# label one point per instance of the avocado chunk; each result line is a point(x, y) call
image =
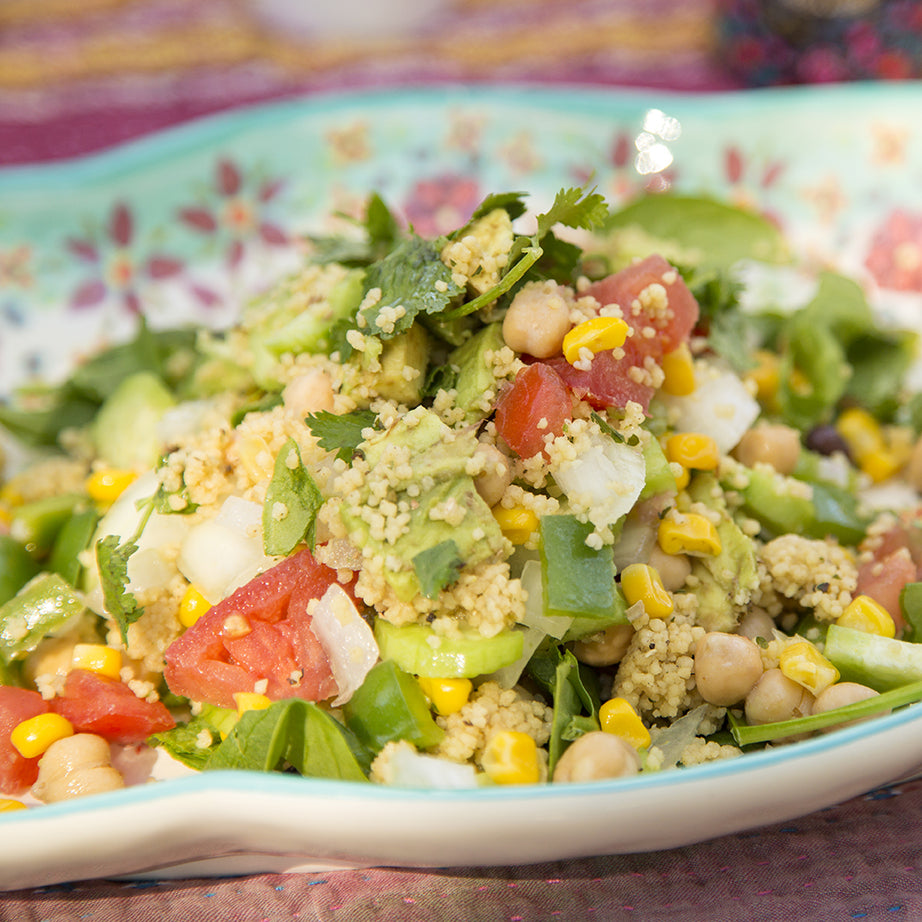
point(727, 579)
point(125, 428)
point(475, 374)
point(417, 495)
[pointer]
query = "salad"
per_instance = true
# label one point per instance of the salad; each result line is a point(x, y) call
point(555, 497)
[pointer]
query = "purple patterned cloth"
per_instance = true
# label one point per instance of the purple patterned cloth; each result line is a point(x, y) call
point(856, 861)
point(78, 77)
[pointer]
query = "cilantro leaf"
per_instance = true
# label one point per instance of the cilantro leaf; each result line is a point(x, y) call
point(291, 505)
point(413, 280)
point(573, 208)
point(381, 230)
point(342, 434)
point(437, 567)
point(112, 559)
point(512, 202)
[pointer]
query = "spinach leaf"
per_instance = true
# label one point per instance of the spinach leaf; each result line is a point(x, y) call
point(290, 733)
point(291, 505)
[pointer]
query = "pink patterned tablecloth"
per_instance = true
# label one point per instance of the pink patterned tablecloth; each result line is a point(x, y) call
point(77, 76)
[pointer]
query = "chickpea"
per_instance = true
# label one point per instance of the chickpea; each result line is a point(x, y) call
point(606, 647)
point(776, 697)
point(772, 444)
point(496, 474)
point(727, 666)
point(309, 393)
point(537, 320)
point(841, 694)
point(595, 756)
point(74, 767)
point(757, 622)
point(673, 569)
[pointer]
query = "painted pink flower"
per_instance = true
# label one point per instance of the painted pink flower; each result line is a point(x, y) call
point(895, 254)
point(119, 265)
point(239, 213)
point(14, 267)
point(441, 204)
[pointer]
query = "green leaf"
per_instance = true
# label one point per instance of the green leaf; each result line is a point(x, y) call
point(707, 232)
point(112, 559)
point(343, 433)
point(413, 280)
point(511, 202)
point(572, 207)
point(437, 567)
point(291, 505)
point(291, 733)
point(182, 742)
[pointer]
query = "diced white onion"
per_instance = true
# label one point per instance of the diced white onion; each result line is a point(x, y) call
point(410, 769)
point(346, 638)
point(555, 625)
point(605, 480)
point(720, 406)
point(151, 566)
point(221, 554)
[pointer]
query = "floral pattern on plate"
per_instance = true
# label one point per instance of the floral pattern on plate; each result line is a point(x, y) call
point(187, 225)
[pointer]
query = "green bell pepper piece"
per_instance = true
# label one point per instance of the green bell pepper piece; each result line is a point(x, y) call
point(390, 705)
point(578, 581)
point(73, 538)
point(36, 524)
point(17, 567)
point(45, 605)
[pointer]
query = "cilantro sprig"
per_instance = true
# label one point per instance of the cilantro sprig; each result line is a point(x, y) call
point(572, 207)
point(342, 433)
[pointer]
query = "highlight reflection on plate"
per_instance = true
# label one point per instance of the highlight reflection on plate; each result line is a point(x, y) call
point(188, 223)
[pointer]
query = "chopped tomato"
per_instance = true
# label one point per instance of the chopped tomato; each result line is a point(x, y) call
point(17, 774)
point(109, 708)
point(536, 404)
point(626, 288)
point(611, 381)
point(259, 633)
point(608, 382)
point(884, 578)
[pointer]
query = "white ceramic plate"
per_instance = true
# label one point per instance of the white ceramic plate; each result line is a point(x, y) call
point(189, 222)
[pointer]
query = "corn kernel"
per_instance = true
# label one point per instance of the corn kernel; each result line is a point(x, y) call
point(98, 658)
point(448, 696)
point(251, 701)
point(881, 465)
point(689, 534)
point(766, 377)
point(868, 444)
point(597, 335)
point(7, 805)
point(517, 524)
point(511, 757)
point(641, 583)
point(678, 372)
point(107, 485)
point(865, 614)
point(802, 663)
point(616, 716)
point(192, 606)
point(693, 451)
point(33, 736)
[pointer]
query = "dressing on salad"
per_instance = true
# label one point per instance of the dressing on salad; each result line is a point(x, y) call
point(600, 496)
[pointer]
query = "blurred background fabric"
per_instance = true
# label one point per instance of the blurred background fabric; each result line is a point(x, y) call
point(79, 75)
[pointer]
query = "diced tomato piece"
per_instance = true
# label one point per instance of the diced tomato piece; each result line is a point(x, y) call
point(259, 632)
point(95, 703)
point(608, 382)
point(883, 579)
point(537, 403)
point(624, 288)
point(17, 774)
